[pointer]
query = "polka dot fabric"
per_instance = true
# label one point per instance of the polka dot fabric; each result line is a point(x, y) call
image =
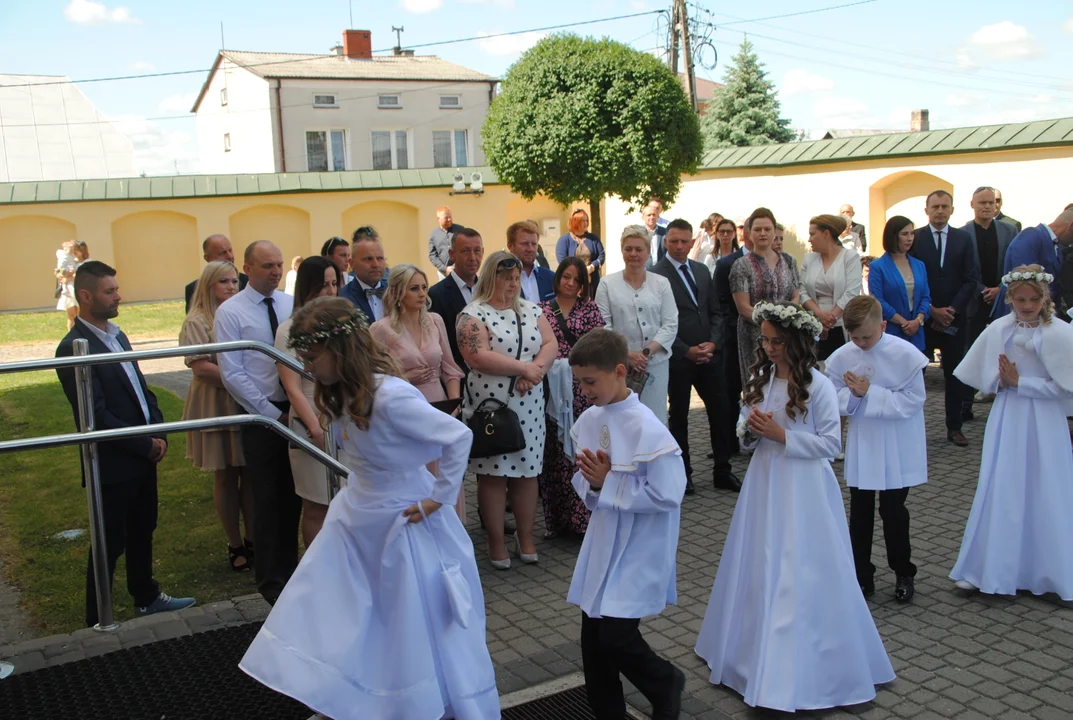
point(503, 333)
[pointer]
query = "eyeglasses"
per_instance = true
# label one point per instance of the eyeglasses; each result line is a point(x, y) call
point(508, 264)
point(772, 342)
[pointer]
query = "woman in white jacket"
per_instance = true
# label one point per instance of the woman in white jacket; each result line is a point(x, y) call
point(831, 276)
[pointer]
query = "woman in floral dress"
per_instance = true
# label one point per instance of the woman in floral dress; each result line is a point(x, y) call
point(571, 314)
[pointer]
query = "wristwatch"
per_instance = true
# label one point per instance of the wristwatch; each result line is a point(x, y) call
point(646, 351)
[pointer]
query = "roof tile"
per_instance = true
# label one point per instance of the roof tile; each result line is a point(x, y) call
point(337, 67)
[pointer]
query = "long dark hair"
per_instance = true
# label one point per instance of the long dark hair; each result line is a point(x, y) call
point(800, 349)
point(310, 278)
point(582, 275)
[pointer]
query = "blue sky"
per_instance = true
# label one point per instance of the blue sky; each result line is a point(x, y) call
point(864, 66)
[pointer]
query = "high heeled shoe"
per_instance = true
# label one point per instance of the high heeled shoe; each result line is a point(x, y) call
point(526, 558)
point(500, 564)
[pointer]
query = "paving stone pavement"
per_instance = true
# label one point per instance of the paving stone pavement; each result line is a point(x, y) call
point(956, 655)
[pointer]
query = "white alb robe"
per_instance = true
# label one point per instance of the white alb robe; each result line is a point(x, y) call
point(886, 442)
point(627, 564)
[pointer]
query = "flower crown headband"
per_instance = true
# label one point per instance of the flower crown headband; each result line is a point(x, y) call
point(1040, 277)
point(788, 316)
point(342, 326)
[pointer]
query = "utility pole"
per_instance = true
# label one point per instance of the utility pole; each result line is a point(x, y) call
point(680, 34)
point(672, 56)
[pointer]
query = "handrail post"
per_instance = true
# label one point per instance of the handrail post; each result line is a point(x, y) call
point(329, 447)
point(87, 422)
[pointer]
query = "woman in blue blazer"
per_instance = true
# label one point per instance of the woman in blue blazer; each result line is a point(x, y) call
point(581, 243)
point(900, 283)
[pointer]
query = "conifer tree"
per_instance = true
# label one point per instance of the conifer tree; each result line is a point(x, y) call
point(745, 111)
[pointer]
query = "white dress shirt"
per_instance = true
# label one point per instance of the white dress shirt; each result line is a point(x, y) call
point(376, 304)
point(678, 269)
point(935, 238)
point(530, 288)
point(111, 341)
point(466, 290)
point(250, 376)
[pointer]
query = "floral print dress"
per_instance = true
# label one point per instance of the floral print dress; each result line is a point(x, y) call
point(753, 275)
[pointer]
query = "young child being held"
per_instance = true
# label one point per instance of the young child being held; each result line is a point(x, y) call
point(786, 625)
point(880, 387)
point(1018, 536)
point(631, 476)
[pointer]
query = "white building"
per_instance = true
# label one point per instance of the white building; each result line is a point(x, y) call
point(280, 112)
point(49, 130)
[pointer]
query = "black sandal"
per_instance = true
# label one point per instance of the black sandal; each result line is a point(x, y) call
point(233, 554)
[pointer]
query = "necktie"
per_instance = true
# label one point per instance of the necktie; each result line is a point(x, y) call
point(273, 321)
point(689, 281)
point(939, 244)
point(1057, 253)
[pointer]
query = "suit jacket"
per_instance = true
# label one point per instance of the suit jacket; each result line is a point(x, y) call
point(700, 321)
point(1005, 233)
point(1010, 221)
point(545, 283)
point(1032, 246)
point(243, 278)
point(886, 284)
point(661, 250)
point(721, 277)
point(1064, 280)
point(953, 284)
point(859, 229)
point(115, 405)
point(355, 293)
point(447, 302)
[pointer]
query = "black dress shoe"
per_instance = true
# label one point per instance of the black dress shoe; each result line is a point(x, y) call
point(903, 589)
point(710, 455)
point(957, 437)
point(671, 708)
point(967, 415)
point(868, 589)
point(689, 486)
point(729, 481)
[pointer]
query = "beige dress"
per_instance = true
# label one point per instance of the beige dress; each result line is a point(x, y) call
point(208, 450)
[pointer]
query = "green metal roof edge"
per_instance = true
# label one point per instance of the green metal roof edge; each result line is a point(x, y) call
point(201, 186)
point(946, 141)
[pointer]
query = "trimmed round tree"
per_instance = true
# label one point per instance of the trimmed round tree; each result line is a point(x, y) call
point(578, 119)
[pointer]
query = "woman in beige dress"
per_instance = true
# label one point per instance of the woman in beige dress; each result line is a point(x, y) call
point(317, 277)
point(217, 451)
point(417, 340)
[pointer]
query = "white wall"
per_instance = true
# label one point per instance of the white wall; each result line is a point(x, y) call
point(248, 117)
point(358, 115)
point(1034, 185)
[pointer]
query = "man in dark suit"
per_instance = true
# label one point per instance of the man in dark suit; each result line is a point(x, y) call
point(696, 355)
point(121, 399)
point(1043, 245)
point(455, 291)
point(990, 239)
point(370, 276)
point(847, 212)
point(216, 247)
point(523, 240)
point(657, 231)
point(1002, 217)
point(721, 277)
point(953, 277)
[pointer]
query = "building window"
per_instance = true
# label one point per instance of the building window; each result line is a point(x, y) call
point(450, 102)
point(389, 102)
point(223, 96)
point(325, 101)
point(326, 150)
point(391, 149)
point(450, 148)
point(227, 142)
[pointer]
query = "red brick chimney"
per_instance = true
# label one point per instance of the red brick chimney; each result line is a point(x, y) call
point(358, 44)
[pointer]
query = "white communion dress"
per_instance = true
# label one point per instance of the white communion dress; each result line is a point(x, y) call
point(364, 629)
point(787, 625)
point(1019, 535)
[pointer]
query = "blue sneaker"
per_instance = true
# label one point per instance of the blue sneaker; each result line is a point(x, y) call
point(164, 603)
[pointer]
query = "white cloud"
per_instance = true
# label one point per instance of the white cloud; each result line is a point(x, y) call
point(800, 81)
point(141, 65)
point(964, 59)
point(1005, 40)
point(1068, 26)
point(505, 4)
point(842, 112)
point(160, 150)
point(965, 99)
point(509, 44)
point(178, 103)
point(88, 12)
point(420, 7)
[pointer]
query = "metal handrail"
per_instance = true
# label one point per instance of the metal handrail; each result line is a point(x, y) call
point(89, 436)
point(156, 354)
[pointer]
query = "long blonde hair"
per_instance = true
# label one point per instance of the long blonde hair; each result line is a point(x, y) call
point(397, 283)
point(486, 281)
point(358, 357)
point(204, 302)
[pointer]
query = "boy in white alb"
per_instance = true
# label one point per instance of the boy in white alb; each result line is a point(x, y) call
point(880, 387)
point(631, 476)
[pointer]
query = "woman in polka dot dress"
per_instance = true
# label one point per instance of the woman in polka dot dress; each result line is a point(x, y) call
point(488, 335)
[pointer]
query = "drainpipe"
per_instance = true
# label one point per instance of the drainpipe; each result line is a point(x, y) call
point(279, 123)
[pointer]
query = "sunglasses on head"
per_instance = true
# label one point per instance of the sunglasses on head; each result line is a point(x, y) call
point(508, 264)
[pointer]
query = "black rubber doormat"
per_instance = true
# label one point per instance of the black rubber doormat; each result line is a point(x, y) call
point(188, 678)
point(572, 704)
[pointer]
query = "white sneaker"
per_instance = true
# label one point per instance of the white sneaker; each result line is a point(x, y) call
point(982, 397)
point(965, 585)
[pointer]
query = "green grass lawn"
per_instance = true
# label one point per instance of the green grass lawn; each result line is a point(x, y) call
point(41, 495)
point(149, 320)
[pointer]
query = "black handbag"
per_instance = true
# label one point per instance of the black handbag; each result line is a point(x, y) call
point(496, 428)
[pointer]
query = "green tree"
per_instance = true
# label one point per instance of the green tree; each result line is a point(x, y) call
point(746, 111)
point(578, 119)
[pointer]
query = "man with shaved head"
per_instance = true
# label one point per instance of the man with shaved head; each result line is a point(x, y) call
point(1045, 245)
point(216, 247)
point(251, 377)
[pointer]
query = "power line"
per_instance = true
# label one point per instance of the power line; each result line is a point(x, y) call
point(802, 12)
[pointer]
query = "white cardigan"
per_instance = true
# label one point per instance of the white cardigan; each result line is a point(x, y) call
point(845, 277)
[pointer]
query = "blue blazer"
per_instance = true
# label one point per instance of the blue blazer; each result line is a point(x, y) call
point(353, 292)
point(1032, 246)
point(545, 284)
point(567, 246)
point(886, 285)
